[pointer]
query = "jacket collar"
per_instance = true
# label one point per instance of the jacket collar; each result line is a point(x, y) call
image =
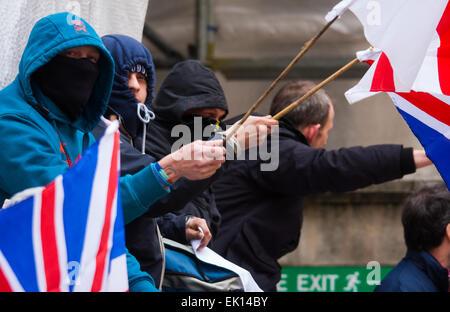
point(432, 268)
point(293, 131)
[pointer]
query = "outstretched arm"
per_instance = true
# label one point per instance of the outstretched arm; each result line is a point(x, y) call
point(304, 170)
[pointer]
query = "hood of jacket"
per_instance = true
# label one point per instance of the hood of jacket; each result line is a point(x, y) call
point(50, 36)
point(188, 85)
point(128, 52)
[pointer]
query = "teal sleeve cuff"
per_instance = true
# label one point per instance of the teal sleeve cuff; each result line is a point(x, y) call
point(139, 192)
point(138, 281)
point(143, 285)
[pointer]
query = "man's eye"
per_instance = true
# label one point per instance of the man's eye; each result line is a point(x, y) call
point(93, 60)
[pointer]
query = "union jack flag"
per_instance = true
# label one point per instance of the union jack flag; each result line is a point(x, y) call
point(69, 236)
point(426, 113)
point(414, 36)
point(411, 62)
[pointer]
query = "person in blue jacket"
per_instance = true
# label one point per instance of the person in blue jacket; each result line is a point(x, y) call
point(426, 228)
point(46, 115)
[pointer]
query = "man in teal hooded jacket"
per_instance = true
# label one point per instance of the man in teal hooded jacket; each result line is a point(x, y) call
point(46, 115)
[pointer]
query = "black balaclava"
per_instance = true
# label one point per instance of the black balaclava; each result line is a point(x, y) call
point(189, 85)
point(205, 124)
point(68, 82)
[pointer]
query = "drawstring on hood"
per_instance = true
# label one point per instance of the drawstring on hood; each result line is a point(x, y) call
point(148, 115)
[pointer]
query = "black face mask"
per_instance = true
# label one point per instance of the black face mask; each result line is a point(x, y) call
point(68, 82)
point(205, 124)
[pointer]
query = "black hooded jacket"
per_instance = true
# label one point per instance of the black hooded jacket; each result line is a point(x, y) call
point(189, 85)
point(262, 210)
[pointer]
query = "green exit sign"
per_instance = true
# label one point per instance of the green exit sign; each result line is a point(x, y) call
point(331, 279)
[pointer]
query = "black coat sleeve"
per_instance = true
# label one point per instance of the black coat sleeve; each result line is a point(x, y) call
point(304, 170)
point(173, 227)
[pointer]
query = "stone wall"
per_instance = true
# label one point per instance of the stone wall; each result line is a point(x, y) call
point(352, 229)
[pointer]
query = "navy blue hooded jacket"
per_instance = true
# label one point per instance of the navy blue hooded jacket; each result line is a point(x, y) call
point(416, 272)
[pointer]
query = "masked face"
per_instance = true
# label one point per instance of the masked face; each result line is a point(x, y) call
point(201, 127)
point(68, 82)
point(209, 112)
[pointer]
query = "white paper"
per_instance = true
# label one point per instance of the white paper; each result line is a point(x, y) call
point(209, 256)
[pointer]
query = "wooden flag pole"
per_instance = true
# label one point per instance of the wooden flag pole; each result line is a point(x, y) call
point(315, 89)
point(283, 74)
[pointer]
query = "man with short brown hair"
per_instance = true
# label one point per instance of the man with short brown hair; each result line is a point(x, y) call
point(262, 211)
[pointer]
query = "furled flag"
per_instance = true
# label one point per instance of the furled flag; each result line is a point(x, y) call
point(427, 114)
point(405, 30)
point(69, 236)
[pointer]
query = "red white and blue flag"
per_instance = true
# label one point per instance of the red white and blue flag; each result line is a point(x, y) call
point(428, 116)
point(414, 36)
point(426, 113)
point(411, 62)
point(69, 236)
